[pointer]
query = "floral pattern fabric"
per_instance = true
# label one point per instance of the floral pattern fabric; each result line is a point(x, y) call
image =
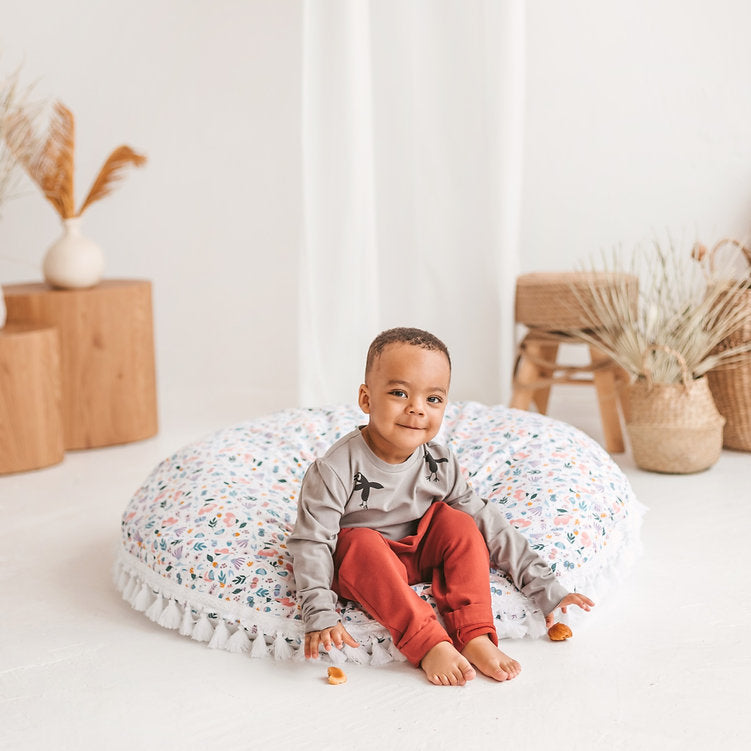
point(204, 538)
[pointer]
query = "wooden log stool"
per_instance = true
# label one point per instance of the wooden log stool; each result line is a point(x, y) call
point(107, 356)
point(31, 419)
point(553, 306)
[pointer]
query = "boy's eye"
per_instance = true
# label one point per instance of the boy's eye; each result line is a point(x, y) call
point(435, 400)
point(398, 392)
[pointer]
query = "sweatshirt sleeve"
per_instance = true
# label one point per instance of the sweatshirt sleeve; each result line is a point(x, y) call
point(312, 544)
point(509, 549)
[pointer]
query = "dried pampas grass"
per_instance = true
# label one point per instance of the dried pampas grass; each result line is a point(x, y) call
point(49, 161)
point(684, 307)
point(13, 97)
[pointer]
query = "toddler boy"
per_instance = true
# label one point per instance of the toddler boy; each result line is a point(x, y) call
point(387, 507)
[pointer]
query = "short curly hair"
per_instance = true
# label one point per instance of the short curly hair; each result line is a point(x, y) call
point(404, 335)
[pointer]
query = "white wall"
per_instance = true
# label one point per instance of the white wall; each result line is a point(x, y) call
point(637, 122)
point(210, 91)
point(637, 118)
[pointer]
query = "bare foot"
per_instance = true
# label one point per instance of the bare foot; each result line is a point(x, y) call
point(444, 666)
point(489, 660)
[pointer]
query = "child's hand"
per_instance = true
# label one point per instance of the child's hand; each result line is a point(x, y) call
point(336, 635)
point(571, 599)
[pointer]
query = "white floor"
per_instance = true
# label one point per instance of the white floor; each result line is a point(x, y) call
point(663, 663)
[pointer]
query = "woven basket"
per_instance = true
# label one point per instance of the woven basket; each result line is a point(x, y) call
point(673, 427)
point(731, 386)
point(557, 301)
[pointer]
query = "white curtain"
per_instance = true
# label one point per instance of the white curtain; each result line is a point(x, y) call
point(412, 163)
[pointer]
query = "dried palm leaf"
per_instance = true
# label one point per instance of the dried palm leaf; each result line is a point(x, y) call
point(111, 173)
point(55, 165)
point(51, 163)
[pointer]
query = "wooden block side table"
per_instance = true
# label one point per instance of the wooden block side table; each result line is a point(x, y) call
point(31, 420)
point(107, 357)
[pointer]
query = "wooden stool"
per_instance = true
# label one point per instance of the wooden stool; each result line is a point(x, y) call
point(31, 420)
point(550, 304)
point(107, 357)
point(537, 370)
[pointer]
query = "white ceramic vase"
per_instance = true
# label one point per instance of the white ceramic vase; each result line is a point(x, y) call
point(73, 261)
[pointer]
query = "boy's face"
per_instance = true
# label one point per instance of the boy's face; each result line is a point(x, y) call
point(405, 394)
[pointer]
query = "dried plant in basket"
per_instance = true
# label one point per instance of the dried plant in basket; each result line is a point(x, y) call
point(667, 345)
point(49, 159)
point(684, 307)
point(731, 385)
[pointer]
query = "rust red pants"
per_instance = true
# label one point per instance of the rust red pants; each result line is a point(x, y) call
point(448, 551)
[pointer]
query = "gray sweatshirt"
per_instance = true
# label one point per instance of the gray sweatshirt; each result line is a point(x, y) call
point(351, 487)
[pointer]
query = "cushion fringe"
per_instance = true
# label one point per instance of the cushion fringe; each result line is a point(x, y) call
point(171, 615)
point(142, 599)
point(358, 655)
point(396, 655)
point(337, 656)
point(187, 624)
point(221, 636)
point(239, 641)
point(127, 590)
point(155, 609)
point(203, 630)
point(259, 648)
point(222, 632)
point(379, 656)
point(282, 649)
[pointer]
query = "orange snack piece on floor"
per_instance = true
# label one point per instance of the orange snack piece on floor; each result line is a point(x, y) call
point(336, 676)
point(559, 632)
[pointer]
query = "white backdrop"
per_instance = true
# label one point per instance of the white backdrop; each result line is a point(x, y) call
point(636, 117)
point(412, 145)
point(636, 121)
point(210, 92)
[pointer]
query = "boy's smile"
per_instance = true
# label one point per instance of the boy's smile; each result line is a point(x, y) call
point(405, 395)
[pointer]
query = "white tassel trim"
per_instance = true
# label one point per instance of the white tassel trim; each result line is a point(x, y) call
point(166, 603)
point(259, 648)
point(358, 655)
point(379, 656)
point(203, 630)
point(142, 600)
point(155, 609)
point(396, 655)
point(337, 656)
point(127, 590)
point(282, 649)
point(187, 624)
point(171, 616)
point(221, 636)
point(239, 641)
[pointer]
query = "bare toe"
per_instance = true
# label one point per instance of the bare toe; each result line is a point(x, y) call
point(444, 666)
point(468, 672)
point(490, 661)
point(499, 675)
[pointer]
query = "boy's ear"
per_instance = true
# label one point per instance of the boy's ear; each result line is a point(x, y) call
point(363, 399)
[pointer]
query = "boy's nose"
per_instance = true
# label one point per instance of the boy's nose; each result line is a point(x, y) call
point(416, 408)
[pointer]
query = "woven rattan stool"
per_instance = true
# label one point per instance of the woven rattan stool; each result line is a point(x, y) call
point(552, 305)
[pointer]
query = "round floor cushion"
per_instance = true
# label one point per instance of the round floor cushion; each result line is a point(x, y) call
point(204, 539)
